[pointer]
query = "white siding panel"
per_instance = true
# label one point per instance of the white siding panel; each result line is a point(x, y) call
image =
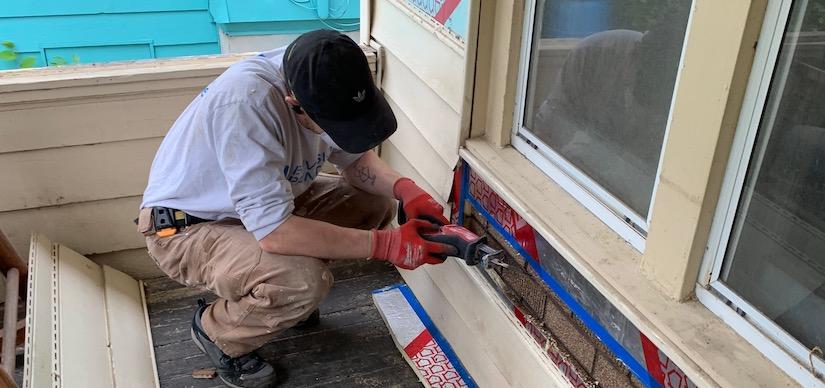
point(93, 227)
point(90, 120)
point(133, 364)
point(437, 122)
point(38, 365)
point(75, 174)
point(417, 45)
point(415, 148)
point(394, 157)
point(83, 335)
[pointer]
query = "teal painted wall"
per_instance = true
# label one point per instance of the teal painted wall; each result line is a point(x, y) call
point(112, 30)
point(107, 30)
point(263, 17)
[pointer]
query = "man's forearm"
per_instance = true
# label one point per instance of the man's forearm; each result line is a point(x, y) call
point(371, 174)
point(300, 236)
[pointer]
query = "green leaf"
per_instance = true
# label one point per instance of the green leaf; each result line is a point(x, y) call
point(8, 44)
point(58, 61)
point(28, 62)
point(75, 58)
point(8, 55)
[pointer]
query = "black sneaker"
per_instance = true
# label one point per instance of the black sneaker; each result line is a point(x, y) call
point(247, 371)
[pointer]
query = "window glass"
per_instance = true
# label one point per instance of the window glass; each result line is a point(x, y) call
point(600, 84)
point(776, 255)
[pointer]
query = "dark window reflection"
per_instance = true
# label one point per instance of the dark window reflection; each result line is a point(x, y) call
point(776, 259)
point(600, 85)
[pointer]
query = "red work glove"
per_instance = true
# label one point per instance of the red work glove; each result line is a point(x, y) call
point(405, 247)
point(416, 203)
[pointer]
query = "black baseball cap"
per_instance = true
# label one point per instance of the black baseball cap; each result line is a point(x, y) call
point(330, 77)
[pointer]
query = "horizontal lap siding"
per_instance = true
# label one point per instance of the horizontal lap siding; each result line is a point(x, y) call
point(81, 7)
point(81, 121)
point(421, 154)
point(79, 142)
point(423, 78)
point(82, 173)
point(437, 121)
point(75, 168)
point(103, 225)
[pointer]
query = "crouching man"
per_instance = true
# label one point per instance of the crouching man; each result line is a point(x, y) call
point(236, 202)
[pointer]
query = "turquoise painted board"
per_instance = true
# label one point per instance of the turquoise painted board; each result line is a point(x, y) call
point(112, 30)
point(260, 17)
point(185, 50)
point(274, 28)
point(100, 53)
point(163, 28)
point(238, 11)
point(108, 30)
point(28, 8)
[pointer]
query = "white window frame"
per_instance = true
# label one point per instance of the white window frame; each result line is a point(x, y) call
point(768, 337)
point(631, 226)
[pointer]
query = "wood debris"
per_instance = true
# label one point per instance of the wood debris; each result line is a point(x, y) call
point(208, 373)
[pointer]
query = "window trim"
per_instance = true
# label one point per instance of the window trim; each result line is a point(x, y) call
point(768, 337)
point(627, 223)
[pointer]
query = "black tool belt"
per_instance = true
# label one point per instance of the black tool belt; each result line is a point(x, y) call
point(165, 221)
point(166, 217)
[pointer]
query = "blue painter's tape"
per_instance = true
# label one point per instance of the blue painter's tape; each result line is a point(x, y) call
point(388, 288)
point(635, 367)
point(464, 191)
point(439, 339)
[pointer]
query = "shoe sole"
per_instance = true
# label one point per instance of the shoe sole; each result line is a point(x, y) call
point(198, 344)
point(196, 341)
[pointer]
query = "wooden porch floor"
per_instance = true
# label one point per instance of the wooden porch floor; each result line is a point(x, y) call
point(350, 347)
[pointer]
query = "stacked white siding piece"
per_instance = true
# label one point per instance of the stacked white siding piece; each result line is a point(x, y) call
point(87, 325)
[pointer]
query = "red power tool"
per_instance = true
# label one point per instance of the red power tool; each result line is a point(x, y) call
point(469, 246)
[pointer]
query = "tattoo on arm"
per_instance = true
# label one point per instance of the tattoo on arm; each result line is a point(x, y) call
point(364, 174)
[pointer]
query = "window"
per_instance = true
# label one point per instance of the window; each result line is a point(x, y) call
point(596, 88)
point(766, 257)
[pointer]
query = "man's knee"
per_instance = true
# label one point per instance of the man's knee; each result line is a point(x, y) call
point(298, 282)
point(317, 280)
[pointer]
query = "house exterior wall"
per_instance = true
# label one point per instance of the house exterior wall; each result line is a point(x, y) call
point(94, 31)
point(103, 30)
point(246, 26)
point(78, 144)
point(675, 339)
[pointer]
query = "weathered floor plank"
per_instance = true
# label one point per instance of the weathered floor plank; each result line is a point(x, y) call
point(350, 347)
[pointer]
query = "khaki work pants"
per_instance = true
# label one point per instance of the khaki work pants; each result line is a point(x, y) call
point(262, 294)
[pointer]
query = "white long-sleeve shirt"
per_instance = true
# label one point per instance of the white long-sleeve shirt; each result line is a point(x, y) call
point(237, 151)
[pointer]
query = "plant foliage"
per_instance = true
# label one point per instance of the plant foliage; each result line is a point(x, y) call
point(9, 53)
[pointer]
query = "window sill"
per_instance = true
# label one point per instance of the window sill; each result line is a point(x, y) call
point(703, 346)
